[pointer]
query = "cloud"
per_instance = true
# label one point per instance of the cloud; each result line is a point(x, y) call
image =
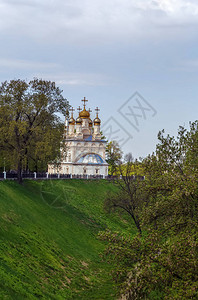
point(25, 64)
point(53, 72)
point(94, 21)
point(77, 79)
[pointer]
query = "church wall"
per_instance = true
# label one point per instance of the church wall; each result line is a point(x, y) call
point(66, 168)
point(90, 170)
point(79, 148)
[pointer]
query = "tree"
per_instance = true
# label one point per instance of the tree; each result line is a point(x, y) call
point(30, 129)
point(114, 155)
point(162, 263)
point(130, 196)
point(172, 180)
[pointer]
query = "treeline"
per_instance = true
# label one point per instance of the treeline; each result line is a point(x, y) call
point(161, 261)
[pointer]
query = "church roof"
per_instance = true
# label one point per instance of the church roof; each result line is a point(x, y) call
point(91, 159)
point(89, 138)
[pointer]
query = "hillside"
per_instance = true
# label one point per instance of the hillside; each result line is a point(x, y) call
point(49, 247)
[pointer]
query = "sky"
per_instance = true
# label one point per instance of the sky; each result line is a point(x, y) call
point(135, 60)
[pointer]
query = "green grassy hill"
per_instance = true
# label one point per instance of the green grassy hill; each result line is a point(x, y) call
point(49, 247)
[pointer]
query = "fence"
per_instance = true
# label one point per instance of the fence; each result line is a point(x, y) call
point(8, 175)
point(35, 176)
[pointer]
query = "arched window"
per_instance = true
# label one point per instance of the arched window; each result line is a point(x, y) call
point(97, 171)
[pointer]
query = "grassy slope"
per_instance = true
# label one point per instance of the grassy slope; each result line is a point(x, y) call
point(49, 247)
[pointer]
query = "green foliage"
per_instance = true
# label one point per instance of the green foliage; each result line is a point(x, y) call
point(114, 155)
point(30, 130)
point(162, 263)
point(172, 181)
point(49, 247)
point(152, 269)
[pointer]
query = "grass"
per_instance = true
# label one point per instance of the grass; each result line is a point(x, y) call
point(49, 247)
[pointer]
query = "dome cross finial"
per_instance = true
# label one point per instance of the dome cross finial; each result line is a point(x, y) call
point(84, 100)
point(97, 110)
point(72, 111)
point(79, 108)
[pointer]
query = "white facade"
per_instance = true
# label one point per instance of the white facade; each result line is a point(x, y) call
point(85, 149)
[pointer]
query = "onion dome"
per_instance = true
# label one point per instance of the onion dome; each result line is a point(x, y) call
point(97, 121)
point(84, 114)
point(71, 121)
point(78, 121)
point(90, 123)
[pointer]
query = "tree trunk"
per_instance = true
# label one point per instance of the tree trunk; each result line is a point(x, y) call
point(137, 223)
point(19, 171)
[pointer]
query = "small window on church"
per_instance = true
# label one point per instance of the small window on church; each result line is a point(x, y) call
point(97, 171)
point(85, 171)
point(69, 157)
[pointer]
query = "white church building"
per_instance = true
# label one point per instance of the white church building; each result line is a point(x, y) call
point(85, 148)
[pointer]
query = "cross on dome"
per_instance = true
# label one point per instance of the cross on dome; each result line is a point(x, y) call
point(72, 110)
point(84, 100)
point(97, 110)
point(79, 108)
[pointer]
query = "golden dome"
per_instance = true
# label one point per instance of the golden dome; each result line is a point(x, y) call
point(97, 121)
point(84, 114)
point(78, 120)
point(90, 122)
point(71, 121)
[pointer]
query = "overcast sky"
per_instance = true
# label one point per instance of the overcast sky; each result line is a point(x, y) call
point(136, 60)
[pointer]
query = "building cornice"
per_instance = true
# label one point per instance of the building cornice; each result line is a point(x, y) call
point(81, 140)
